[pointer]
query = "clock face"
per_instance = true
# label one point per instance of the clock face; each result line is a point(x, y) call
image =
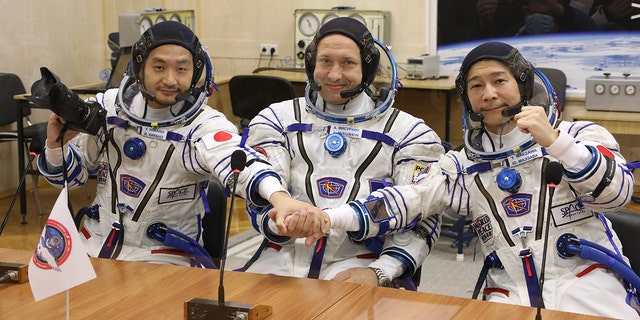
point(308, 24)
point(145, 24)
point(630, 89)
point(614, 89)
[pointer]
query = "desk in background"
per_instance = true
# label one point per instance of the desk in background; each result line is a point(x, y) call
point(137, 290)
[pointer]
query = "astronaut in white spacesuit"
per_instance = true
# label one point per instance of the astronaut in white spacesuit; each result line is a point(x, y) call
point(504, 178)
point(154, 154)
point(339, 142)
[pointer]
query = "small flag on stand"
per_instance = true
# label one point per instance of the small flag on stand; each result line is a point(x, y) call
point(60, 261)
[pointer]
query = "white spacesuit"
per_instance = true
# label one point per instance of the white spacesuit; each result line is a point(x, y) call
point(502, 182)
point(328, 155)
point(152, 166)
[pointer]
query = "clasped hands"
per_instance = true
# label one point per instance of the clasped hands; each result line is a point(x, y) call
point(308, 222)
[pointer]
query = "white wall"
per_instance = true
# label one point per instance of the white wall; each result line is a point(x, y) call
point(70, 38)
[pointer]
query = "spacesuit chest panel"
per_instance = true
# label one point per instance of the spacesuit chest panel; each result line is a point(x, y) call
point(333, 180)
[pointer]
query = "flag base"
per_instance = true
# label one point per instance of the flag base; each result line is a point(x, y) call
point(199, 308)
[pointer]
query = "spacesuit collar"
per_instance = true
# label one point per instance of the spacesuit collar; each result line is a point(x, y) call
point(358, 105)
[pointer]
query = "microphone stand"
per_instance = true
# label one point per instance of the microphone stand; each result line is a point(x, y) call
point(32, 156)
point(553, 176)
point(199, 308)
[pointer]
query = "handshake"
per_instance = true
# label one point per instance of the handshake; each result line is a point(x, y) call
point(309, 222)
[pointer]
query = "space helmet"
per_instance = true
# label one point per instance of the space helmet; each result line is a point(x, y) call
point(163, 33)
point(379, 70)
point(534, 87)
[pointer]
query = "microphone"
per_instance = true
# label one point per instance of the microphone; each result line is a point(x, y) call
point(512, 111)
point(552, 177)
point(198, 308)
point(352, 92)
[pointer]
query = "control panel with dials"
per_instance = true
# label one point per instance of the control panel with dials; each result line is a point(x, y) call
point(613, 93)
point(308, 21)
point(132, 25)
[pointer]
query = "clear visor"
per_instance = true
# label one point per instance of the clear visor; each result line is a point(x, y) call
point(480, 144)
point(383, 90)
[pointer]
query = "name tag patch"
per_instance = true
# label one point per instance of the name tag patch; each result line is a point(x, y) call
point(168, 195)
point(569, 213)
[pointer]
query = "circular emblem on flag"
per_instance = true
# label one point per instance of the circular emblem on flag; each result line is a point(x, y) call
point(54, 246)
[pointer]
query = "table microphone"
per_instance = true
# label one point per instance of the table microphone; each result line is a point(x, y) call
point(552, 176)
point(198, 308)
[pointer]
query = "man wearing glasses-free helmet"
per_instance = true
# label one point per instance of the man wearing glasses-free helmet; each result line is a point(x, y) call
point(154, 155)
point(516, 152)
point(343, 140)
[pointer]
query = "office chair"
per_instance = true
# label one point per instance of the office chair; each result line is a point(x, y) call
point(215, 220)
point(627, 225)
point(559, 82)
point(252, 93)
point(34, 135)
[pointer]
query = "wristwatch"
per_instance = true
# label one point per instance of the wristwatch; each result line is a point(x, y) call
point(383, 281)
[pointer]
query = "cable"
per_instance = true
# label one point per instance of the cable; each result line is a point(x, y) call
point(10, 275)
point(273, 50)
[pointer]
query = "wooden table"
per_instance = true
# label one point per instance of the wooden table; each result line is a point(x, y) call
point(368, 302)
point(136, 290)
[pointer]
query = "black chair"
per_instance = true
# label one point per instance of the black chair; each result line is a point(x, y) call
point(30, 137)
point(214, 221)
point(252, 93)
point(559, 82)
point(627, 226)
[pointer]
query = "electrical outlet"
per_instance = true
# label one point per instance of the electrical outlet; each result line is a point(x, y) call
point(266, 49)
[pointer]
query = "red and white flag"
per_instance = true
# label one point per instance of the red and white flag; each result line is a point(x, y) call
point(60, 261)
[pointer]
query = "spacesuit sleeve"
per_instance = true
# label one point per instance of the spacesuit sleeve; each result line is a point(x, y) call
point(396, 209)
point(265, 136)
point(82, 157)
point(420, 147)
point(605, 183)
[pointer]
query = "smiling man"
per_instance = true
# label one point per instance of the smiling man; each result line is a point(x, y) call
point(154, 155)
point(343, 140)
